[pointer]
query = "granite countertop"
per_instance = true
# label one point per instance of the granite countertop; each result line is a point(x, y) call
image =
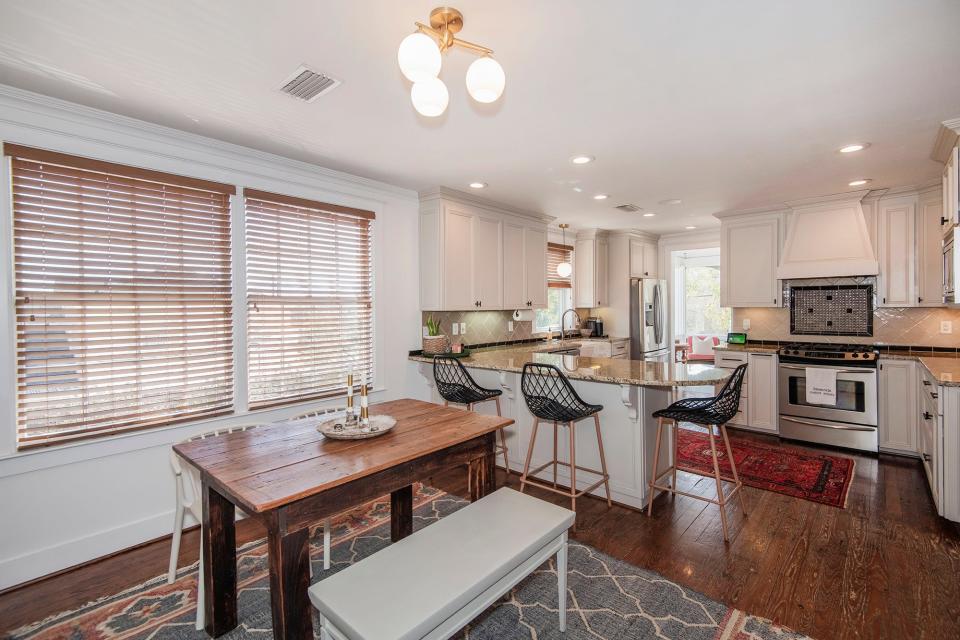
point(749, 348)
point(641, 373)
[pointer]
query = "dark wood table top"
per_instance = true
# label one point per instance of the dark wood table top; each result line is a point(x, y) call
point(276, 464)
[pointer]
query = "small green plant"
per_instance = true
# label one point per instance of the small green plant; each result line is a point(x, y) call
point(433, 327)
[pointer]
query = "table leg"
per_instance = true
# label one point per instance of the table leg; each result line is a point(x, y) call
point(482, 472)
point(401, 513)
point(219, 542)
point(289, 581)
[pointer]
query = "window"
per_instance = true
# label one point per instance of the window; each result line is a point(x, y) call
point(309, 297)
point(123, 311)
point(698, 311)
point(559, 289)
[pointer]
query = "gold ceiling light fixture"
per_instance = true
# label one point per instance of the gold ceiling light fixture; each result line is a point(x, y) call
point(420, 60)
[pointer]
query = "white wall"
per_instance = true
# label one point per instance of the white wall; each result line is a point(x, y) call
point(68, 504)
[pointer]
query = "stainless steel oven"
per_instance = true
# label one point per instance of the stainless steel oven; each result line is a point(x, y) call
point(852, 421)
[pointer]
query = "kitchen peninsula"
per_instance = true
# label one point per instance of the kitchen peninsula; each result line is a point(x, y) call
point(629, 390)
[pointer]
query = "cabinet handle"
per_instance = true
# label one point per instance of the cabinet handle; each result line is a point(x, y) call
point(943, 221)
point(926, 457)
point(927, 415)
point(646, 273)
point(884, 301)
point(919, 299)
point(774, 301)
point(926, 383)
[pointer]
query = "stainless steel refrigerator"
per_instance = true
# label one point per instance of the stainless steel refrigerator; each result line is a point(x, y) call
point(648, 319)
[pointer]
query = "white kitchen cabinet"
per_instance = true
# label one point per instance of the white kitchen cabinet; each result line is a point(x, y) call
point(591, 270)
point(605, 348)
point(929, 250)
point(749, 253)
point(524, 267)
point(762, 397)
point(475, 255)
point(731, 360)
point(898, 406)
point(643, 259)
point(896, 220)
point(951, 191)
point(930, 431)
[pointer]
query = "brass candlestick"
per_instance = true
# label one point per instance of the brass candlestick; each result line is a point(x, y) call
point(351, 417)
point(364, 409)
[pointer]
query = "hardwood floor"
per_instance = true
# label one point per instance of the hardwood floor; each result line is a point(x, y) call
point(884, 567)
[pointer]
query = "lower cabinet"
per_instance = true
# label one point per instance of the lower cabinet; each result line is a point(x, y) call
point(758, 397)
point(938, 441)
point(897, 398)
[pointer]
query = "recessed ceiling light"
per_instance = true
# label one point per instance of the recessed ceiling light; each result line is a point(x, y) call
point(853, 148)
point(582, 159)
point(690, 227)
point(601, 196)
point(477, 185)
point(858, 183)
point(649, 215)
point(672, 201)
point(578, 189)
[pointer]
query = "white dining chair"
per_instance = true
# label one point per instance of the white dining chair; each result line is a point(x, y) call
point(190, 499)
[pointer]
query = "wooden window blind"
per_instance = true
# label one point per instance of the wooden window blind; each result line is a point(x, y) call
point(557, 253)
point(123, 289)
point(309, 297)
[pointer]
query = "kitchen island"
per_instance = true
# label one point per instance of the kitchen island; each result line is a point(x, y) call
point(629, 390)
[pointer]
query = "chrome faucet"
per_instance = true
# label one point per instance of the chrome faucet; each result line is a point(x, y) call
point(563, 333)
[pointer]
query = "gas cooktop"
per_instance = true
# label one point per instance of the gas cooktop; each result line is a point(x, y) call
point(846, 353)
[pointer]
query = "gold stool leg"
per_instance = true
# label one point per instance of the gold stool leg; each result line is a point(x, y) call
point(653, 471)
point(573, 468)
point(676, 440)
point(526, 466)
point(603, 459)
point(503, 444)
point(733, 466)
point(554, 454)
point(716, 472)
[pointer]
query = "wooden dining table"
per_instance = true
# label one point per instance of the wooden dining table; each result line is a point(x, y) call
point(290, 477)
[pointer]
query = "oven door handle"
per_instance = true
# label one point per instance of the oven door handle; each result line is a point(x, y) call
point(864, 371)
point(827, 425)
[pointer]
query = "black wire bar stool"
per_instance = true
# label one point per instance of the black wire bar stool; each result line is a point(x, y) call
point(550, 396)
point(709, 413)
point(456, 385)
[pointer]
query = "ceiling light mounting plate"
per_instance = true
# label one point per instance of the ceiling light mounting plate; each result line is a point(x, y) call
point(446, 19)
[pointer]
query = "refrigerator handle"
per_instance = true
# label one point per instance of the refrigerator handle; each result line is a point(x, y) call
point(657, 320)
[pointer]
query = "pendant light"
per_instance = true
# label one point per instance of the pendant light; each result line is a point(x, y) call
point(420, 60)
point(564, 269)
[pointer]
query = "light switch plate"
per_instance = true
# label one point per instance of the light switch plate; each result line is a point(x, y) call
point(946, 326)
point(456, 328)
point(510, 326)
point(426, 331)
point(463, 328)
point(746, 324)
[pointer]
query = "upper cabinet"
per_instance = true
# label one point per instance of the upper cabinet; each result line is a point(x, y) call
point(929, 250)
point(896, 232)
point(749, 252)
point(591, 269)
point(950, 185)
point(524, 266)
point(643, 259)
point(478, 255)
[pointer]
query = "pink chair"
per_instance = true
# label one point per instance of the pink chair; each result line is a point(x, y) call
point(703, 350)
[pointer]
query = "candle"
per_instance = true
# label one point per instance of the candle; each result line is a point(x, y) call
point(349, 416)
point(364, 411)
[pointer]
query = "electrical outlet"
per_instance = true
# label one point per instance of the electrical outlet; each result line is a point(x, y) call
point(426, 331)
point(463, 328)
point(456, 328)
point(946, 326)
point(746, 324)
point(510, 326)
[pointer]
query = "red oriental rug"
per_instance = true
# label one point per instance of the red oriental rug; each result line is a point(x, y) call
point(817, 477)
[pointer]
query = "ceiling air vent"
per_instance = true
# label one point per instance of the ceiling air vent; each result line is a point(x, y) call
point(306, 84)
point(627, 208)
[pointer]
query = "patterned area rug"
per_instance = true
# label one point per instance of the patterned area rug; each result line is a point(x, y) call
point(607, 598)
point(817, 477)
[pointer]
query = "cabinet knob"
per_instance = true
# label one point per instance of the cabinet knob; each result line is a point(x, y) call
point(926, 457)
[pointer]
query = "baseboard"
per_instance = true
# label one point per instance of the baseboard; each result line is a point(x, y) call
point(43, 563)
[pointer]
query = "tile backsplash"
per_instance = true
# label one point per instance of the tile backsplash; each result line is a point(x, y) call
point(484, 327)
point(894, 326)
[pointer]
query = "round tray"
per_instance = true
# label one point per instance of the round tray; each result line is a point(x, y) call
point(337, 430)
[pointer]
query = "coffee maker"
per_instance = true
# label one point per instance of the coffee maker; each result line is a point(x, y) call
point(595, 325)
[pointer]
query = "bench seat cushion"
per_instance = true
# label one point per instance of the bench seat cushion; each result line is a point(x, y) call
point(406, 590)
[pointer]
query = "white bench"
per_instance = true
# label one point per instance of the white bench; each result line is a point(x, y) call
point(432, 583)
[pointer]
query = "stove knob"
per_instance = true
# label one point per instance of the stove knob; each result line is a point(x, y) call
point(795, 352)
point(856, 355)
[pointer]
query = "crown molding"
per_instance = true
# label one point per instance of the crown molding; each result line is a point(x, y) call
point(835, 197)
point(946, 140)
point(634, 233)
point(446, 193)
point(44, 115)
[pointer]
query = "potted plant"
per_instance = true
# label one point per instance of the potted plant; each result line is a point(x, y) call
point(434, 342)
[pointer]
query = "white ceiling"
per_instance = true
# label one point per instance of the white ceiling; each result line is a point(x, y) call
point(723, 104)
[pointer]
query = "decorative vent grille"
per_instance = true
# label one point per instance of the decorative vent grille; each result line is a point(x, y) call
point(308, 85)
point(628, 208)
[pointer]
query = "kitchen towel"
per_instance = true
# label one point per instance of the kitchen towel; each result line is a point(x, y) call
point(523, 315)
point(821, 386)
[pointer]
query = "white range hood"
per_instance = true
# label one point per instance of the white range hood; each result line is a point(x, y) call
point(827, 238)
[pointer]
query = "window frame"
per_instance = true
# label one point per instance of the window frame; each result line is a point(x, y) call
point(235, 171)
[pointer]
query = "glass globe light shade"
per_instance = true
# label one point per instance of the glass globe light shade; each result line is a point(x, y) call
point(564, 269)
point(430, 97)
point(485, 80)
point(419, 57)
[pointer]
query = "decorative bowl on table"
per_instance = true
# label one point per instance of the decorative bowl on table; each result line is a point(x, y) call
point(339, 429)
